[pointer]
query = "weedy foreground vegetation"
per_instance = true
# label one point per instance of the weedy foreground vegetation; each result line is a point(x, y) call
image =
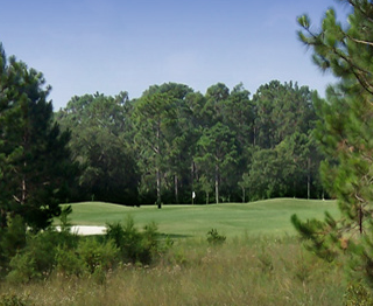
point(139, 264)
point(241, 271)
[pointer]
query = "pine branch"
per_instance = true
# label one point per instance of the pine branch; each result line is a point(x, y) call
point(360, 41)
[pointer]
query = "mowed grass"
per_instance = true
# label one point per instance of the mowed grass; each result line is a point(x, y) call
point(230, 219)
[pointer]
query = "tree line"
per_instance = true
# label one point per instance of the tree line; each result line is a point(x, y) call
point(169, 144)
point(223, 145)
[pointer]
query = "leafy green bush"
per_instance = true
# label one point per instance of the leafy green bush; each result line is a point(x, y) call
point(22, 268)
point(65, 220)
point(116, 233)
point(37, 259)
point(149, 244)
point(135, 246)
point(12, 238)
point(96, 255)
point(34, 256)
point(213, 237)
point(68, 262)
point(13, 300)
point(357, 295)
point(42, 249)
point(127, 238)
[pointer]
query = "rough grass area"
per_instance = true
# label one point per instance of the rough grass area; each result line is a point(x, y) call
point(231, 219)
point(261, 262)
point(243, 271)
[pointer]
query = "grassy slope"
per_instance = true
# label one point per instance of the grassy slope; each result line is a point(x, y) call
point(262, 217)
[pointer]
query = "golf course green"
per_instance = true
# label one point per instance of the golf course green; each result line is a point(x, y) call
point(231, 219)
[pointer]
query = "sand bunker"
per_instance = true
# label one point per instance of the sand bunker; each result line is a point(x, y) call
point(86, 230)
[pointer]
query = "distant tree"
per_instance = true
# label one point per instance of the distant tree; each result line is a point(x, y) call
point(36, 168)
point(182, 139)
point(154, 118)
point(281, 110)
point(244, 184)
point(284, 120)
point(217, 153)
point(239, 116)
point(214, 109)
point(193, 117)
point(345, 133)
point(265, 174)
point(206, 185)
point(166, 105)
point(101, 142)
point(302, 164)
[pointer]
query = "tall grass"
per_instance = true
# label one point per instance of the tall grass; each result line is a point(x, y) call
point(243, 271)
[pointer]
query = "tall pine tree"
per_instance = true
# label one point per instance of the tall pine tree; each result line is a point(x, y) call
point(154, 118)
point(35, 165)
point(346, 135)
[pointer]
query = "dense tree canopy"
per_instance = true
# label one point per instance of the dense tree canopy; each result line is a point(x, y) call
point(173, 141)
point(99, 142)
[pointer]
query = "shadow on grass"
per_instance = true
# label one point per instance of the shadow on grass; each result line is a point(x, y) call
point(164, 235)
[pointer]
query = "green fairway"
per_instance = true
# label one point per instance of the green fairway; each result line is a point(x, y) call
point(230, 219)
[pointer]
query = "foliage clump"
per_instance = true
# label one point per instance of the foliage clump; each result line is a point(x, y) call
point(13, 300)
point(36, 256)
point(213, 237)
point(135, 246)
point(357, 295)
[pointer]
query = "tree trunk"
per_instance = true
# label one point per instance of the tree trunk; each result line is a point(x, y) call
point(24, 187)
point(360, 219)
point(24, 191)
point(159, 200)
point(159, 187)
point(192, 180)
point(176, 190)
point(207, 198)
point(217, 184)
point(309, 179)
point(254, 136)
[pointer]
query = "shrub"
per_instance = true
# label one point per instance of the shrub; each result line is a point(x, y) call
point(135, 246)
point(22, 268)
point(12, 238)
point(42, 249)
point(68, 262)
point(96, 255)
point(357, 295)
point(65, 220)
point(38, 258)
point(116, 233)
point(13, 300)
point(213, 237)
point(127, 238)
point(149, 244)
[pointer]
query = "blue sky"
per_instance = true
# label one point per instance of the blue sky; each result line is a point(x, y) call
point(84, 46)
